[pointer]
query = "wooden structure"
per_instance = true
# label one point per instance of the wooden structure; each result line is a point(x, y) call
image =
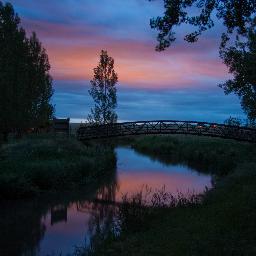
point(88, 132)
point(61, 126)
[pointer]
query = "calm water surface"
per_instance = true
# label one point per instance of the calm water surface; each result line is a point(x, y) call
point(43, 227)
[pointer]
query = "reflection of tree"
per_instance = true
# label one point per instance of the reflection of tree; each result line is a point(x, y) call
point(107, 193)
point(101, 224)
point(102, 216)
point(21, 228)
point(197, 162)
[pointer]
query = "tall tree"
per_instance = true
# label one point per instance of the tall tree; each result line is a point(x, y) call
point(25, 83)
point(40, 83)
point(13, 54)
point(103, 91)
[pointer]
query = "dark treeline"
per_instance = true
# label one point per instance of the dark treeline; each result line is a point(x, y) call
point(25, 82)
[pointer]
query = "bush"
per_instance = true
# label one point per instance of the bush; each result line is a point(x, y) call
point(34, 165)
point(208, 155)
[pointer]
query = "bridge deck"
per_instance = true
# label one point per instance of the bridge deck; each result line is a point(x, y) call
point(88, 132)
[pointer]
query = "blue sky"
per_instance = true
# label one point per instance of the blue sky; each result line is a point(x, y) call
point(180, 83)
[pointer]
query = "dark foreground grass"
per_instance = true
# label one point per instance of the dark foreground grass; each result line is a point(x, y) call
point(34, 165)
point(223, 223)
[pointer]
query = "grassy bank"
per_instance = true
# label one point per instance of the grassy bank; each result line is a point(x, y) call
point(208, 155)
point(37, 164)
point(223, 224)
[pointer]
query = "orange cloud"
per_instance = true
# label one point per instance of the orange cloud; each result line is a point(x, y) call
point(74, 52)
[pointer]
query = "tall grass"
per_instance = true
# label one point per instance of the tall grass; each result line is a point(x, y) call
point(33, 165)
point(210, 155)
point(134, 216)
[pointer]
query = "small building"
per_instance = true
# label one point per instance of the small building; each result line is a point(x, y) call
point(61, 126)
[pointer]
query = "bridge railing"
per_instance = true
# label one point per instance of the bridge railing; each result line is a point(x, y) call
point(88, 132)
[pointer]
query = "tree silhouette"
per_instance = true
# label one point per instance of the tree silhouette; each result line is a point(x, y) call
point(40, 83)
point(103, 91)
point(236, 16)
point(241, 61)
point(25, 83)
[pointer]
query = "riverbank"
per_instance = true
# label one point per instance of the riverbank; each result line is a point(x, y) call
point(34, 165)
point(223, 224)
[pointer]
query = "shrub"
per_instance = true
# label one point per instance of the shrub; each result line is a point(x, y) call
point(34, 165)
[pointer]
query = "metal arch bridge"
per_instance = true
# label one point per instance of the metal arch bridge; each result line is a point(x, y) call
point(89, 132)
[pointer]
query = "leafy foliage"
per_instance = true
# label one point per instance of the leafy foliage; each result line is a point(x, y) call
point(25, 82)
point(241, 61)
point(236, 16)
point(233, 121)
point(103, 91)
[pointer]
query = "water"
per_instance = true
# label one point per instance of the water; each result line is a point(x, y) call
point(136, 170)
point(56, 225)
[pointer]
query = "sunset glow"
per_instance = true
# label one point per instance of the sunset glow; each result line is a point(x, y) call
point(74, 33)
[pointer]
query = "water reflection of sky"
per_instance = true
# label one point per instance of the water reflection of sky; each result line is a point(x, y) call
point(63, 236)
point(131, 161)
point(136, 170)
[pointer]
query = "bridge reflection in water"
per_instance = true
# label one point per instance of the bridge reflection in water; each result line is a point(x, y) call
point(88, 131)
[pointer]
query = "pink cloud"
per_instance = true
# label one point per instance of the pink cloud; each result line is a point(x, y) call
point(74, 52)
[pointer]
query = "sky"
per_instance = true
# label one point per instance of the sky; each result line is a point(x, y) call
point(180, 83)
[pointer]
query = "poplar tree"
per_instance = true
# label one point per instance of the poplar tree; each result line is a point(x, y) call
point(40, 85)
point(25, 82)
point(103, 91)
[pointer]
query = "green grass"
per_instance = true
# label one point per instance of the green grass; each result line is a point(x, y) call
point(223, 224)
point(210, 155)
point(38, 164)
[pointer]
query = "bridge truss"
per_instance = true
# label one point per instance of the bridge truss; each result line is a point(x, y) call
point(88, 132)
